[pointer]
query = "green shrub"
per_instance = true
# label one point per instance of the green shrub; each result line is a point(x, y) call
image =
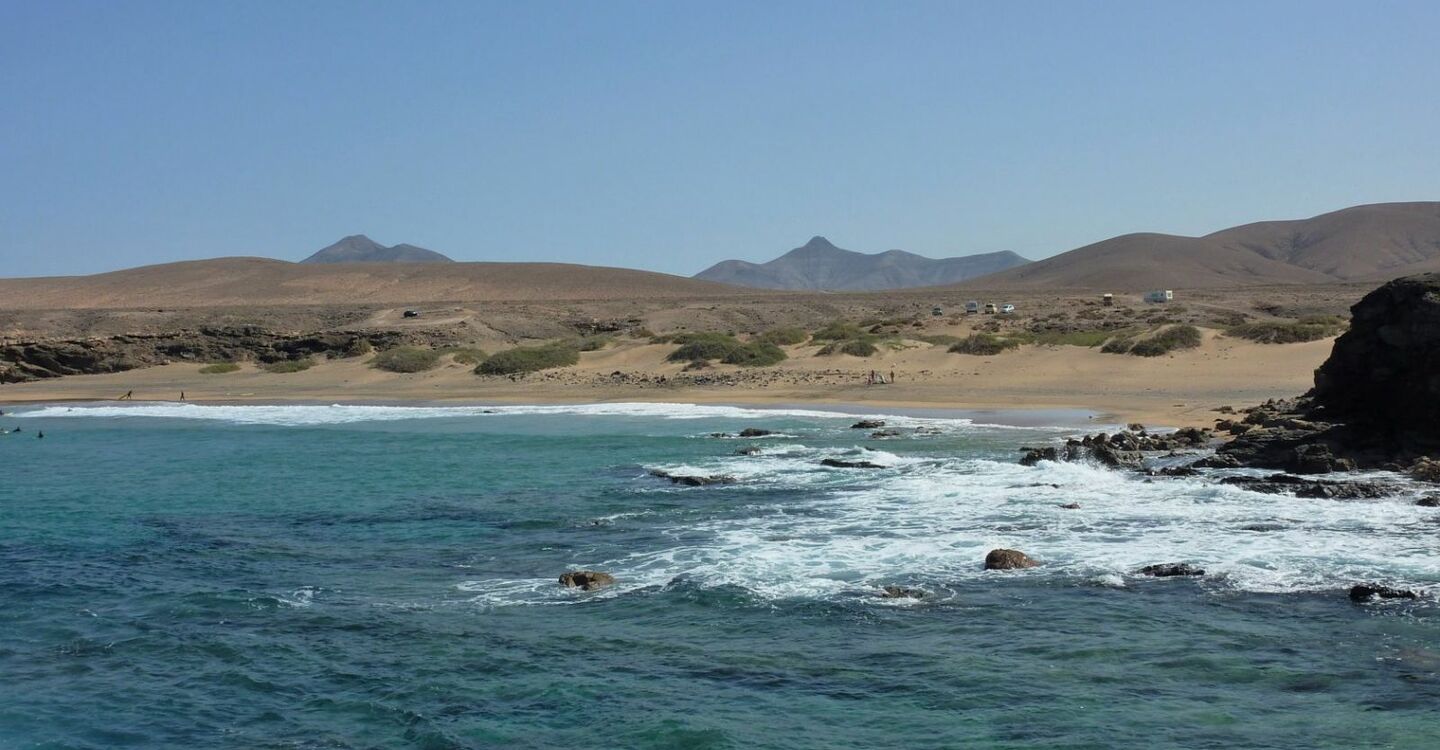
point(755, 354)
point(407, 359)
point(219, 368)
point(839, 331)
point(593, 343)
point(983, 344)
point(1168, 340)
point(523, 359)
point(1280, 332)
point(288, 365)
point(358, 348)
point(783, 336)
point(1090, 338)
point(854, 347)
point(704, 346)
point(938, 339)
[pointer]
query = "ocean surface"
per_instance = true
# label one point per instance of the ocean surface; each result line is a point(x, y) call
point(385, 577)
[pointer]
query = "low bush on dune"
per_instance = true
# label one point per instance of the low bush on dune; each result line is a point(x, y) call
point(1284, 332)
point(1171, 339)
point(219, 368)
point(406, 359)
point(982, 344)
point(285, 366)
point(839, 331)
point(706, 347)
point(524, 359)
point(1088, 339)
point(784, 336)
point(854, 347)
point(938, 339)
point(593, 343)
point(358, 348)
point(755, 354)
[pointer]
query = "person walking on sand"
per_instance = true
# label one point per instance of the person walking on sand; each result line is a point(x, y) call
point(182, 395)
point(129, 396)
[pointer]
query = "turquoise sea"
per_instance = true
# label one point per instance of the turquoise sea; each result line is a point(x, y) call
point(184, 576)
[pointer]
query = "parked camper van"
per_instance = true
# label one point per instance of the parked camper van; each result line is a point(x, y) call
point(990, 308)
point(937, 311)
point(1159, 296)
point(972, 307)
point(1107, 300)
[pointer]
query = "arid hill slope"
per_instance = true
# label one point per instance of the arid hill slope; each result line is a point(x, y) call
point(1364, 243)
point(261, 281)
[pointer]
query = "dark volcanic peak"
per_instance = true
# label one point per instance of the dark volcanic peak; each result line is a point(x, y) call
point(819, 264)
point(357, 248)
point(1374, 242)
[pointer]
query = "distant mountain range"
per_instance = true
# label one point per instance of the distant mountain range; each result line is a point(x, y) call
point(820, 265)
point(357, 248)
point(1373, 242)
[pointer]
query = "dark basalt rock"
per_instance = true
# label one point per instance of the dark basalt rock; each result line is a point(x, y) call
point(841, 463)
point(693, 480)
point(586, 580)
point(1429, 501)
point(878, 434)
point(868, 424)
point(1301, 487)
point(749, 450)
point(1383, 376)
point(1071, 506)
point(901, 592)
point(1171, 570)
point(754, 432)
point(1369, 592)
point(1008, 559)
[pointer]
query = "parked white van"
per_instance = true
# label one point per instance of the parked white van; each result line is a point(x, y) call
point(1159, 296)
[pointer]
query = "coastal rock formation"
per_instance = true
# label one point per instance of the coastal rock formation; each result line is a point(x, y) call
point(1123, 450)
point(1369, 592)
point(694, 480)
point(901, 592)
point(840, 463)
point(1008, 559)
point(868, 424)
point(1171, 570)
point(586, 580)
point(1276, 484)
point(754, 432)
point(1383, 375)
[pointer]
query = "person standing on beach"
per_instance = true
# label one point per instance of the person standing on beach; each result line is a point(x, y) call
point(892, 377)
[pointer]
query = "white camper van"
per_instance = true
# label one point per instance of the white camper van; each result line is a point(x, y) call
point(1159, 296)
point(972, 307)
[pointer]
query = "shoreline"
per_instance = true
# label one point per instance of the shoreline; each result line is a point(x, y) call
point(1084, 385)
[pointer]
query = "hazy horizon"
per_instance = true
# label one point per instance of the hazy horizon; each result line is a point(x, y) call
point(671, 137)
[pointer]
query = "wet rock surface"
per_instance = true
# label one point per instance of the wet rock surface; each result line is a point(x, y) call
point(1008, 559)
point(1372, 591)
point(694, 480)
point(1171, 570)
point(840, 463)
point(586, 580)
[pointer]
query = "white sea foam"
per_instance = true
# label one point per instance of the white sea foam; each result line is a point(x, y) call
point(928, 520)
point(309, 414)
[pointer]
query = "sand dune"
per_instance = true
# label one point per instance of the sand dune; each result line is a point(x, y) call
point(261, 281)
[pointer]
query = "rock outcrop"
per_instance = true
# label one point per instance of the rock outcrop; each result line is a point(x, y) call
point(1383, 376)
point(1171, 570)
point(1008, 559)
point(586, 580)
point(1369, 592)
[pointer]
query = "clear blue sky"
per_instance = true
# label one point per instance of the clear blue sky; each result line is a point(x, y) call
point(669, 135)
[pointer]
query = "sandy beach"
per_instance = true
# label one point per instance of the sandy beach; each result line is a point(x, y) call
point(1177, 389)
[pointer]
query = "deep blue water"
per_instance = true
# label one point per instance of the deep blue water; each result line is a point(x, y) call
point(310, 577)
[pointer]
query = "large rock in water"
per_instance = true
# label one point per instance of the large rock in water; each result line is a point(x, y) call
point(1008, 559)
point(586, 580)
point(1383, 376)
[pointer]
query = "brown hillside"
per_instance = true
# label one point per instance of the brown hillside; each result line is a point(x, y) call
point(261, 281)
point(1363, 243)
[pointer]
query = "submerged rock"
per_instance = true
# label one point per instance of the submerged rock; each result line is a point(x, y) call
point(1275, 484)
point(1071, 506)
point(1368, 592)
point(885, 434)
point(1429, 501)
point(901, 592)
point(868, 424)
point(749, 450)
point(694, 480)
point(1008, 559)
point(753, 432)
point(841, 463)
point(1171, 570)
point(586, 580)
